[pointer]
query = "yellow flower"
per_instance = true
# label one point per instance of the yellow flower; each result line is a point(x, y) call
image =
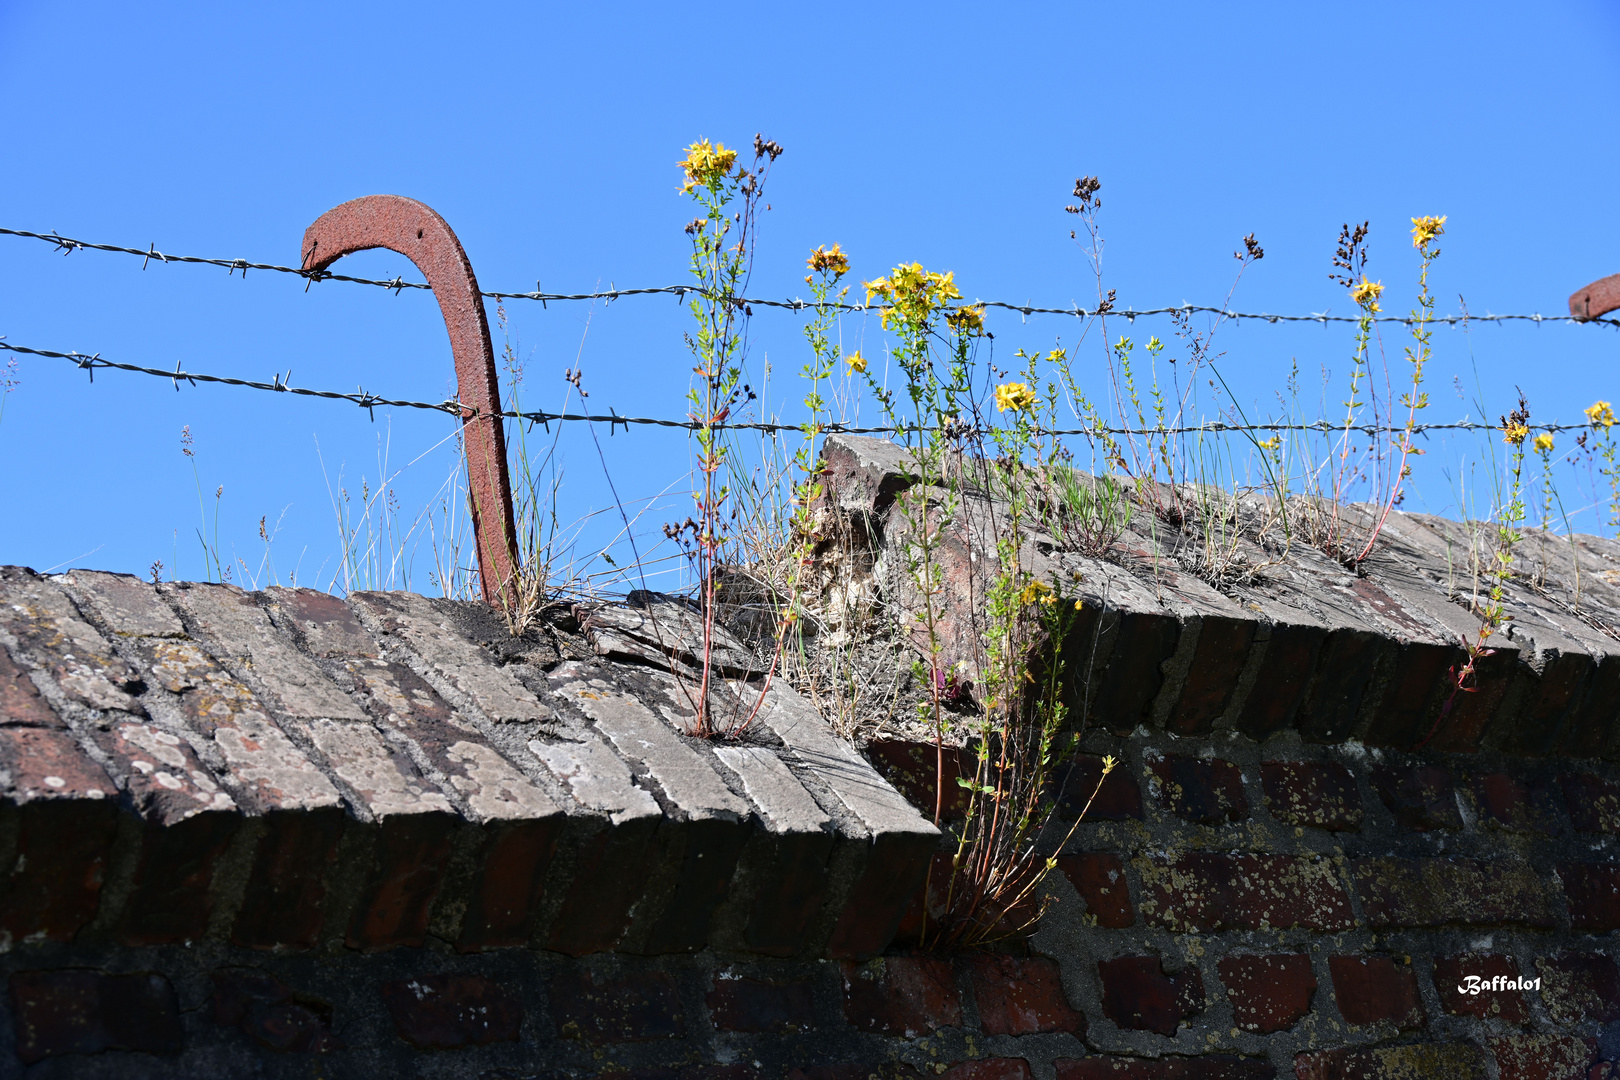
point(1037, 590)
point(967, 320)
point(1271, 443)
point(1515, 433)
point(707, 164)
point(856, 362)
point(1015, 397)
point(1544, 442)
point(1077, 605)
point(1367, 293)
point(913, 291)
point(1425, 229)
point(1600, 415)
point(831, 260)
point(1057, 356)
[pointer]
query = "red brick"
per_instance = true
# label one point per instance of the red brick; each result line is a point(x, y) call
point(607, 882)
point(272, 1014)
point(934, 892)
point(1451, 982)
point(1540, 723)
point(1268, 993)
point(1420, 796)
point(49, 765)
point(641, 1006)
point(1099, 878)
point(506, 892)
point(872, 1071)
point(990, 1069)
point(443, 1012)
point(20, 703)
point(1593, 892)
point(1594, 801)
point(1206, 791)
point(1345, 670)
point(393, 910)
point(1138, 994)
point(1417, 688)
point(1285, 673)
point(1206, 1067)
point(914, 769)
point(1022, 996)
point(895, 868)
point(1117, 799)
point(1376, 990)
point(1460, 731)
point(281, 907)
point(1453, 1061)
point(1576, 988)
point(1321, 794)
point(1508, 802)
point(1134, 673)
point(1591, 728)
point(789, 893)
point(1204, 891)
point(85, 1012)
point(901, 995)
point(742, 1004)
point(164, 777)
point(1543, 1057)
point(1217, 664)
point(1441, 892)
point(170, 900)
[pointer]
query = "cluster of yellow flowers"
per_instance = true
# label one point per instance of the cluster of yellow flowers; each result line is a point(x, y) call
point(706, 164)
point(914, 291)
point(1425, 229)
point(825, 260)
point(856, 361)
point(1015, 397)
point(1367, 293)
point(1273, 442)
point(967, 320)
point(1600, 415)
point(1544, 442)
point(1037, 590)
point(1515, 432)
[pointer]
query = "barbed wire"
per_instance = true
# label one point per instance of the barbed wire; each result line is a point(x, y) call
point(280, 384)
point(67, 245)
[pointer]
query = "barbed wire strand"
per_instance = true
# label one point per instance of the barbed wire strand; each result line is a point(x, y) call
point(67, 245)
point(91, 362)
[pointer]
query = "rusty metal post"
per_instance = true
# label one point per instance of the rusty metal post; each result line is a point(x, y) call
point(417, 232)
point(1598, 298)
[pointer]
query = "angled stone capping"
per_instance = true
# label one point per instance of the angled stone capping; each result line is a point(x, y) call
point(284, 770)
point(1310, 646)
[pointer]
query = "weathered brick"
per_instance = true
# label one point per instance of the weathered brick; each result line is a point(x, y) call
point(1268, 993)
point(1139, 995)
point(1203, 1067)
point(386, 781)
point(325, 622)
point(165, 778)
point(989, 1069)
point(1119, 797)
point(914, 770)
point(20, 701)
point(639, 1006)
point(606, 884)
point(1594, 801)
point(1420, 796)
point(129, 606)
point(1453, 984)
point(1508, 802)
point(1204, 891)
point(1376, 990)
point(1542, 1057)
point(1461, 727)
point(1440, 892)
point(901, 995)
point(52, 635)
point(1416, 690)
point(1592, 725)
point(1577, 988)
point(271, 1014)
point(85, 1012)
point(281, 906)
point(1285, 673)
point(1207, 791)
point(393, 910)
point(1022, 996)
point(1454, 1061)
point(1321, 794)
point(738, 1003)
point(1099, 878)
point(170, 899)
point(505, 893)
point(1345, 670)
point(444, 1012)
point(1134, 674)
point(1593, 892)
point(1217, 665)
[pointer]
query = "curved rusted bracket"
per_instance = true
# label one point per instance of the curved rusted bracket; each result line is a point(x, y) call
point(1598, 298)
point(422, 236)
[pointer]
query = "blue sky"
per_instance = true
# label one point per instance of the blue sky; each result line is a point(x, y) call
point(547, 136)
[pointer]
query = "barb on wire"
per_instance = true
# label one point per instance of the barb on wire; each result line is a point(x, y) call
point(67, 245)
point(89, 362)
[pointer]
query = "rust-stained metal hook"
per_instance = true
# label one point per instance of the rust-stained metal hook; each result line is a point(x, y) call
point(1598, 298)
point(417, 232)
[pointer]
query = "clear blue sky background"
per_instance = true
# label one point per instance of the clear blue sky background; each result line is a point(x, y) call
point(547, 136)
